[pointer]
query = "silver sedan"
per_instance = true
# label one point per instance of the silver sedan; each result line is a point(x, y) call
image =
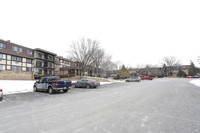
point(87, 83)
point(133, 79)
point(1, 94)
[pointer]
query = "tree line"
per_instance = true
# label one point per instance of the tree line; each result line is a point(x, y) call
point(88, 54)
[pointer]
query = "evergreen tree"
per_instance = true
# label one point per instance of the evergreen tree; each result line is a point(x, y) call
point(192, 69)
point(123, 72)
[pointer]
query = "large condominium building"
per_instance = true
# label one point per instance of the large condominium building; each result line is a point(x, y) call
point(16, 62)
point(44, 63)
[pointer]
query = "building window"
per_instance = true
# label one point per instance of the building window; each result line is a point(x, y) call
point(29, 52)
point(2, 45)
point(57, 66)
point(57, 59)
point(38, 63)
point(56, 72)
point(50, 65)
point(50, 72)
point(28, 61)
point(39, 55)
point(28, 69)
point(50, 58)
point(2, 56)
point(16, 49)
point(14, 58)
point(16, 68)
point(2, 67)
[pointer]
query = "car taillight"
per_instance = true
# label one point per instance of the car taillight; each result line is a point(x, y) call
point(56, 84)
point(1, 90)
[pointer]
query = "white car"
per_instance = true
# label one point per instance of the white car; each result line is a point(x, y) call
point(1, 94)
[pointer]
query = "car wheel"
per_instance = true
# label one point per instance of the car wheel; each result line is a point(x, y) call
point(35, 89)
point(65, 90)
point(127, 80)
point(88, 86)
point(50, 90)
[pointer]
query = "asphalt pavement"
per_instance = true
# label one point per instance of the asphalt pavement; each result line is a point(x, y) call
point(157, 106)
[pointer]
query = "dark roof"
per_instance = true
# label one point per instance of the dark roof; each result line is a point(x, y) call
point(62, 58)
point(8, 50)
point(45, 51)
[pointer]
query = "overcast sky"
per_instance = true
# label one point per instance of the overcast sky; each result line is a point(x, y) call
point(132, 31)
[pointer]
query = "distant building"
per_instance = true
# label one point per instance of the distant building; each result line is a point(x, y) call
point(66, 68)
point(159, 71)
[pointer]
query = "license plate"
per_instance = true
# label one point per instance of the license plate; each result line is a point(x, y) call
point(65, 87)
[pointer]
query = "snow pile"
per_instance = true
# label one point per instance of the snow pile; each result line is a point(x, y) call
point(16, 86)
point(105, 83)
point(195, 82)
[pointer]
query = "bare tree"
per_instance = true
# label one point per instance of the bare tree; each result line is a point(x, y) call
point(101, 60)
point(83, 52)
point(171, 63)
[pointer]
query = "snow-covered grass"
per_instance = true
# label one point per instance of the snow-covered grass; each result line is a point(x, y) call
point(16, 86)
point(195, 82)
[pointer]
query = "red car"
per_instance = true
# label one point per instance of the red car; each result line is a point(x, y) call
point(189, 77)
point(147, 78)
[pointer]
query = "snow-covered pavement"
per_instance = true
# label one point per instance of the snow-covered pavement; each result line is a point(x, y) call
point(195, 82)
point(158, 106)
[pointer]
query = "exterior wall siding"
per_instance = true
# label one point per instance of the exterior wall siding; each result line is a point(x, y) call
point(15, 75)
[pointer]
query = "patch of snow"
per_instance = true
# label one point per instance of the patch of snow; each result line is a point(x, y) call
point(105, 83)
point(195, 82)
point(16, 86)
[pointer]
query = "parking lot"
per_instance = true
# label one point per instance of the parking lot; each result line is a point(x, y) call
point(161, 105)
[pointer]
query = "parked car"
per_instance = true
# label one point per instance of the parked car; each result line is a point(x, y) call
point(133, 79)
point(195, 76)
point(188, 77)
point(147, 78)
point(86, 83)
point(1, 94)
point(51, 84)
